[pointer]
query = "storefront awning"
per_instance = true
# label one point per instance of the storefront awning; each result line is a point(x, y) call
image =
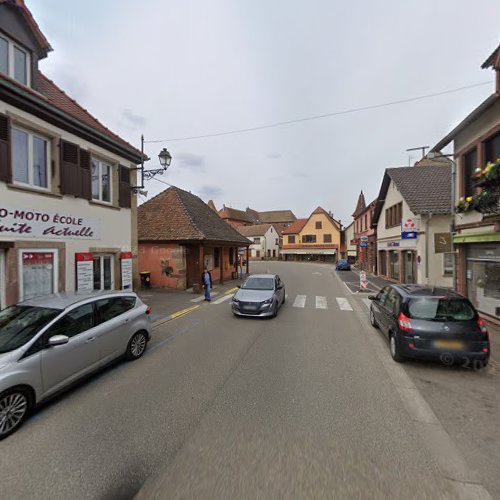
point(309, 251)
point(477, 238)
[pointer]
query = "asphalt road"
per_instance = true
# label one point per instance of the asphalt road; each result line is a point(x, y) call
point(307, 405)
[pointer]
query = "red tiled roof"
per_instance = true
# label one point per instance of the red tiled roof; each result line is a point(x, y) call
point(296, 227)
point(176, 215)
point(28, 16)
point(360, 205)
point(234, 214)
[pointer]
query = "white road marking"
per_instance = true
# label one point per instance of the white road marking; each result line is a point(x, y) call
point(224, 298)
point(316, 274)
point(202, 297)
point(343, 304)
point(321, 303)
point(367, 302)
point(300, 301)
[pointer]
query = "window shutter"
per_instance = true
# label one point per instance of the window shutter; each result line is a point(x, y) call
point(85, 181)
point(5, 158)
point(125, 192)
point(70, 168)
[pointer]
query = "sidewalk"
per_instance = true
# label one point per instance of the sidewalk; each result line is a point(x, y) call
point(166, 303)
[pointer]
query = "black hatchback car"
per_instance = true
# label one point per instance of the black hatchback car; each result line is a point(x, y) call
point(430, 323)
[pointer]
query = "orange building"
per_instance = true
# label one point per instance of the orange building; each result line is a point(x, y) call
point(315, 238)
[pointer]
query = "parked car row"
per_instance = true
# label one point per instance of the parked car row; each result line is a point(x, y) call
point(46, 344)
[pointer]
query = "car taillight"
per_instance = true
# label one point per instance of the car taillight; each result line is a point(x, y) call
point(482, 326)
point(148, 310)
point(404, 323)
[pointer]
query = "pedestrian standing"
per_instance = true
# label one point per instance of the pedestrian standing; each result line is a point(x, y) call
point(206, 280)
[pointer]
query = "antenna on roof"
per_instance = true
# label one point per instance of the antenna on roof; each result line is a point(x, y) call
point(422, 148)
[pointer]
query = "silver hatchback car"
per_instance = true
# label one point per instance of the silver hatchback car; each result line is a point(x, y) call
point(50, 342)
point(260, 295)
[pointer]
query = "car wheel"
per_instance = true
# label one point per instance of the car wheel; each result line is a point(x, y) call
point(137, 345)
point(373, 321)
point(14, 406)
point(395, 349)
point(275, 311)
point(284, 296)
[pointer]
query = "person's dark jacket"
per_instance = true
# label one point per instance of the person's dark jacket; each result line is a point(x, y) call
point(203, 281)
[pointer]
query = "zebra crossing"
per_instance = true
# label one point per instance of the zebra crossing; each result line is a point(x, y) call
point(302, 301)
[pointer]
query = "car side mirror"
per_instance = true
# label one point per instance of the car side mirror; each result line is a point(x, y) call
point(372, 297)
point(238, 286)
point(58, 340)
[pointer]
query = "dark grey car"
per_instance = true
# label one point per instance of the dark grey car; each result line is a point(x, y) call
point(260, 295)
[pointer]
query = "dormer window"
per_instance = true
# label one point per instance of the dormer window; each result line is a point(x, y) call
point(14, 61)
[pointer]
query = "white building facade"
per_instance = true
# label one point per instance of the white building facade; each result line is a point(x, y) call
point(265, 238)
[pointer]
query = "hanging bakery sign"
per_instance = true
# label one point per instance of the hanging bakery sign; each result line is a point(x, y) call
point(40, 224)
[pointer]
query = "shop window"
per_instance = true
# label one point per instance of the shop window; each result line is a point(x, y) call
point(103, 272)
point(37, 272)
point(394, 262)
point(448, 263)
point(30, 158)
point(101, 181)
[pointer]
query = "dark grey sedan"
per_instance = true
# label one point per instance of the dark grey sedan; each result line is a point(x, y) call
point(261, 295)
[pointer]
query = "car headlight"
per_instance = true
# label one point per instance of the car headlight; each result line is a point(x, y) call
point(235, 301)
point(268, 301)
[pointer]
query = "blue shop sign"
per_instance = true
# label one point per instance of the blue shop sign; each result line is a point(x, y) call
point(411, 235)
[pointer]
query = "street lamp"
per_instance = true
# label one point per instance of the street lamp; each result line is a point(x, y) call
point(165, 159)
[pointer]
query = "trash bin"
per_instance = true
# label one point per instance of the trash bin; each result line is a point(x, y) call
point(145, 279)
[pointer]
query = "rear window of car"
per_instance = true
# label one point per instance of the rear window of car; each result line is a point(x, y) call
point(441, 309)
point(19, 324)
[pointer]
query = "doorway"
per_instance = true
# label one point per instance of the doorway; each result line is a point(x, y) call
point(193, 271)
point(409, 267)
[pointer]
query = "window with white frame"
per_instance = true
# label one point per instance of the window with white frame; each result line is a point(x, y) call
point(448, 262)
point(103, 272)
point(101, 181)
point(14, 61)
point(30, 158)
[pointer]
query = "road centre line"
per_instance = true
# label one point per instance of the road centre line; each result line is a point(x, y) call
point(300, 301)
point(343, 304)
point(223, 298)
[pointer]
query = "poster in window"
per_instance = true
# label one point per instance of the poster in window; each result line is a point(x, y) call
point(126, 267)
point(84, 271)
point(37, 274)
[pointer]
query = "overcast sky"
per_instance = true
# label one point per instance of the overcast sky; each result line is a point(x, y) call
point(173, 69)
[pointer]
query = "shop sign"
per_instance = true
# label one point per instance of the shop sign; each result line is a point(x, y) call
point(84, 271)
point(409, 225)
point(442, 242)
point(354, 242)
point(393, 243)
point(126, 266)
point(364, 238)
point(31, 223)
point(412, 235)
point(363, 245)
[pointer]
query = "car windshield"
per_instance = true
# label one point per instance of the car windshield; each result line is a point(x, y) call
point(258, 284)
point(441, 309)
point(19, 324)
point(342, 261)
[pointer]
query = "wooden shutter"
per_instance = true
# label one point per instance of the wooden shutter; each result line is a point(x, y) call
point(125, 192)
point(70, 168)
point(5, 158)
point(85, 179)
